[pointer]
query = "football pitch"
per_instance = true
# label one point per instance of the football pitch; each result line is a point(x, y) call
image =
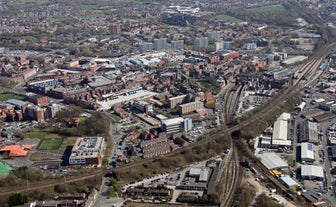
point(50, 144)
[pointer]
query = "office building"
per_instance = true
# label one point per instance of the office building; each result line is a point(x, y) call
point(87, 150)
point(171, 126)
point(143, 106)
point(188, 125)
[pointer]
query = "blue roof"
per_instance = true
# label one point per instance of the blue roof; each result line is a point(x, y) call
point(310, 146)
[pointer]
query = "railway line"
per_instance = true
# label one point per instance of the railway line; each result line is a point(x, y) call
point(309, 68)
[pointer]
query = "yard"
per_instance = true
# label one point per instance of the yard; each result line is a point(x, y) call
point(50, 144)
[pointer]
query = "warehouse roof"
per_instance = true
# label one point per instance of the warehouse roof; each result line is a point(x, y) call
point(312, 171)
point(288, 181)
point(272, 161)
point(307, 151)
point(280, 130)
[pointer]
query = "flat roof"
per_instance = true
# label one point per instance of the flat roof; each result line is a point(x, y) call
point(190, 103)
point(172, 121)
point(195, 171)
point(312, 170)
point(272, 160)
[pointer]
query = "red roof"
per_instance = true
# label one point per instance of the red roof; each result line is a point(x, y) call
point(17, 150)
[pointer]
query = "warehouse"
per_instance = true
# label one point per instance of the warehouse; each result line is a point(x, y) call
point(280, 131)
point(312, 172)
point(272, 161)
point(308, 132)
point(289, 182)
point(307, 152)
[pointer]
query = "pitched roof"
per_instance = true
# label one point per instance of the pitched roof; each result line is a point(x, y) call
point(17, 150)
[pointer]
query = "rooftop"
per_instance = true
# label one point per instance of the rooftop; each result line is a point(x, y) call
point(272, 161)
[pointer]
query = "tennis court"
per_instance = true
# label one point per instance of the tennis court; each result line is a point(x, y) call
point(4, 169)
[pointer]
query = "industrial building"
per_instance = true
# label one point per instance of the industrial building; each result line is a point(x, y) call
point(308, 132)
point(307, 152)
point(272, 161)
point(171, 126)
point(289, 182)
point(312, 172)
point(87, 150)
point(280, 131)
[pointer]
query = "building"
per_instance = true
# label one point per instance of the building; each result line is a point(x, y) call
point(308, 132)
point(143, 106)
point(52, 109)
point(280, 131)
point(190, 107)
point(176, 45)
point(289, 182)
point(312, 172)
point(114, 29)
point(201, 43)
point(272, 161)
point(160, 44)
point(307, 152)
point(188, 125)
point(38, 100)
point(174, 101)
point(173, 125)
point(87, 150)
point(16, 150)
point(146, 47)
point(214, 35)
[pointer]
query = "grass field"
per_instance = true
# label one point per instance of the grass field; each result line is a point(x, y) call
point(227, 18)
point(268, 9)
point(6, 96)
point(4, 169)
point(204, 84)
point(50, 144)
point(40, 134)
point(87, 7)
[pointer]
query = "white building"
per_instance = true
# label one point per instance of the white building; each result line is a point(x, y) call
point(280, 131)
point(312, 172)
point(307, 152)
point(173, 125)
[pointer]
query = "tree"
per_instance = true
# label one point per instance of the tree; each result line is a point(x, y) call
point(17, 199)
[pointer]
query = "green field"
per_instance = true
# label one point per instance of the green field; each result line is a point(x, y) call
point(204, 84)
point(227, 18)
point(87, 7)
point(35, 133)
point(93, 15)
point(268, 9)
point(4, 169)
point(50, 144)
point(6, 96)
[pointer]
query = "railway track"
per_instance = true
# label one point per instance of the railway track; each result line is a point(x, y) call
point(308, 68)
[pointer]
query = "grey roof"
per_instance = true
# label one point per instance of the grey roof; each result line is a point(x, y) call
point(288, 180)
point(272, 161)
point(16, 102)
point(312, 171)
